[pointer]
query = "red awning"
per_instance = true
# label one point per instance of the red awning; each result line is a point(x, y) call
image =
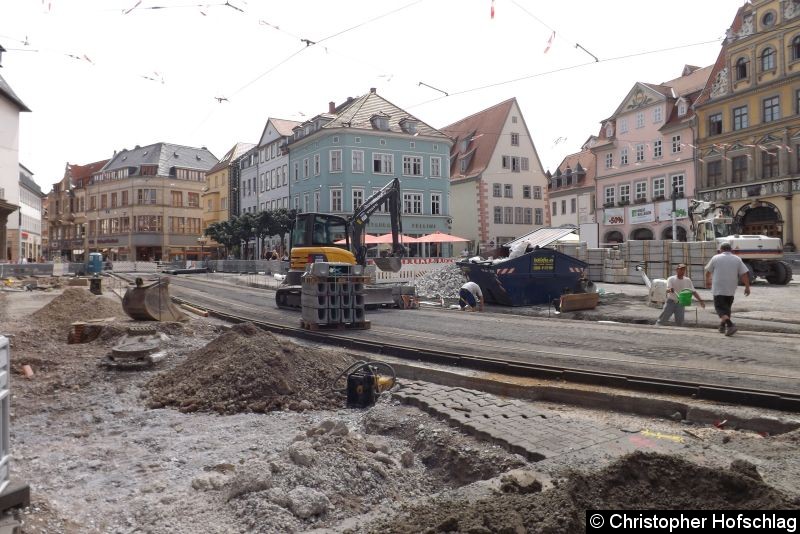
point(440, 237)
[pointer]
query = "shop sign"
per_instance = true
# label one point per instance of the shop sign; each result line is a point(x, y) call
point(681, 209)
point(613, 216)
point(642, 213)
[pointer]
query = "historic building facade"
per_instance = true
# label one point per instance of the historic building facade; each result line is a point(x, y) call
point(571, 190)
point(10, 108)
point(748, 116)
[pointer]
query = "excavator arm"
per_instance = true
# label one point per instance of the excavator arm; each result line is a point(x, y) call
point(389, 196)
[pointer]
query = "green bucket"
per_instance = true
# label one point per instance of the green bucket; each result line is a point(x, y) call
point(685, 297)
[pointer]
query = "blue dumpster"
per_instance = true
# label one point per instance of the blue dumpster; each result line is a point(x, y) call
point(95, 265)
point(536, 277)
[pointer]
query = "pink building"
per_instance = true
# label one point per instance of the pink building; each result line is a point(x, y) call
point(645, 150)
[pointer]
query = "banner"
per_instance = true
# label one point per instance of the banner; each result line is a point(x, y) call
point(613, 216)
point(642, 213)
point(665, 209)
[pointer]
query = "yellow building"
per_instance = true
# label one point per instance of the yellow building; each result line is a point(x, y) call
point(217, 194)
point(748, 121)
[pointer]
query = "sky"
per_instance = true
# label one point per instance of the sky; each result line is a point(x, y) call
point(105, 75)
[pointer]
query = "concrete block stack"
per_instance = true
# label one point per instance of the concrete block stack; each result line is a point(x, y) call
point(332, 295)
point(659, 259)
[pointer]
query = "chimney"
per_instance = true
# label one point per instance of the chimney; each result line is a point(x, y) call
point(372, 90)
point(331, 107)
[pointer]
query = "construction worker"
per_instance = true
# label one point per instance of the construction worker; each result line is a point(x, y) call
point(675, 284)
point(470, 297)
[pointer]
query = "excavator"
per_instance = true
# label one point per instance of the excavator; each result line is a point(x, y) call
point(314, 237)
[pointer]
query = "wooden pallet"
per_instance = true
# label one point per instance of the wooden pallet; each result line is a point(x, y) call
point(364, 325)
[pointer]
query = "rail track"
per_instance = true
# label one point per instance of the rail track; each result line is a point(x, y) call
point(418, 347)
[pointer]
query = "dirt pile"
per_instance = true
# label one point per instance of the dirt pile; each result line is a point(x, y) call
point(249, 370)
point(639, 481)
point(77, 304)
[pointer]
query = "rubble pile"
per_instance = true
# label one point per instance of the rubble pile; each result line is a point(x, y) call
point(441, 283)
point(249, 370)
point(77, 304)
point(639, 481)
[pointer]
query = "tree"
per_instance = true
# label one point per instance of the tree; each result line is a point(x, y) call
point(282, 223)
point(222, 233)
point(264, 224)
point(244, 229)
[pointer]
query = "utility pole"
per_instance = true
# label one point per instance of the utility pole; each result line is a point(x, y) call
point(674, 211)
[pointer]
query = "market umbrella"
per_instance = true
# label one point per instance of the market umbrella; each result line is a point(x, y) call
point(369, 239)
point(440, 237)
point(387, 238)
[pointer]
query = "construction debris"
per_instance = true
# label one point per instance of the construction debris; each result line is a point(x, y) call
point(441, 283)
point(249, 370)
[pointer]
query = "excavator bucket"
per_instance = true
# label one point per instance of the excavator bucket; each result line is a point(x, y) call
point(151, 302)
point(391, 263)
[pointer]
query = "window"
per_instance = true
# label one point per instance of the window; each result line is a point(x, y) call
point(498, 215)
point(681, 108)
point(640, 190)
point(283, 172)
point(383, 163)
point(508, 191)
point(412, 203)
point(124, 198)
point(306, 202)
point(714, 173)
point(573, 205)
point(316, 164)
point(358, 198)
point(657, 115)
point(609, 160)
point(357, 162)
point(496, 190)
point(518, 217)
point(679, 183)
point(524, 165)
point(640, 119)
point(336, 161)
point(658, 188)
point(715, 124)
point(623, 156)
point(625, 193)
point(537, 192)
point(316, 201)
point(436, 203)
point(514, 139)
point(555, 209)
point(526, 191)
point(194, 200)
point(609, 194)
point(336, 199)
point(623, 126)
point(296, 171)
point(740, 118)
point(768, 59)
point(797, 101)
point(508, 215)
point(305, 168)
point(143, 196)
point(771, 109)
point(539, 216)
point(177, 199)
point(769, 163)
point(657, 148)
point(412, 166)
point(796, 48)
point(436, 167)
point(563, 207)
point(103, 201)
point(640, 152)
point(676, 144)
point(741, 68)
point(513, 119)
point(527, 216)
point(768, 19)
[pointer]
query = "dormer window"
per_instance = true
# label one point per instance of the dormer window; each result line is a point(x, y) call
point(681, 108)
point(380, 122)
point(609, 130)
point(409, 125)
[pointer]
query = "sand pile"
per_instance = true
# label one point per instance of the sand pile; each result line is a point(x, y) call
point(77, 304)
point(639, 481)
point(249, 370)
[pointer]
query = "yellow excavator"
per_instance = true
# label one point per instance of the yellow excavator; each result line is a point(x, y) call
point(314, 237)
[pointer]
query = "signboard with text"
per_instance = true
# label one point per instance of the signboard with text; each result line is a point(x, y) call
point(641, 213)
point(664, 209)
point(614, 216)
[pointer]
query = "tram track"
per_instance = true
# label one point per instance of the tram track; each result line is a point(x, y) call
point(421, 347)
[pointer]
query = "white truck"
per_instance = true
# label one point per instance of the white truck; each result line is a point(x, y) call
point(763, 255)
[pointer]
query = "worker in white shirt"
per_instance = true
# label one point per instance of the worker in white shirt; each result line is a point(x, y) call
point(470, 297)
point(675, 284)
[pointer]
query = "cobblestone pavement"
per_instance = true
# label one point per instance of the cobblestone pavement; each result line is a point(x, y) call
point(522, 427)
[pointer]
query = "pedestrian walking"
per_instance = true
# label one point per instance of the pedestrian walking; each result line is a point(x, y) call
point(672, 305)
point(470, 297)
point(723, 274)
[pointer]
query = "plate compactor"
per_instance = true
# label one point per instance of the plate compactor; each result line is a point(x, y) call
point(365, 382)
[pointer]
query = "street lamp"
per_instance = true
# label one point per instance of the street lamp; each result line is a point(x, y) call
point(202, 241)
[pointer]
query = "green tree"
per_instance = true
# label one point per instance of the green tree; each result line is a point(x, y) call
point(282, 223)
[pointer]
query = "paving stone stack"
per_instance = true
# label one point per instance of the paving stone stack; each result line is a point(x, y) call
point(659, 259)
point(333, 295)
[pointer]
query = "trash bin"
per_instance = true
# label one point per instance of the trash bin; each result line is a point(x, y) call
point(537, 277)
point(95, 265)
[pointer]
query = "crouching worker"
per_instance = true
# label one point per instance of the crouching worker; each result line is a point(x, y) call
point(470, 297)
point(675, 284)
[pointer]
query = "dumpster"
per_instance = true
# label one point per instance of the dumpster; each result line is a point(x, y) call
point(95, 265)
point(537, 277)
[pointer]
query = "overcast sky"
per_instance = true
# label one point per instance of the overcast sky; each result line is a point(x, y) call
point(104, 75)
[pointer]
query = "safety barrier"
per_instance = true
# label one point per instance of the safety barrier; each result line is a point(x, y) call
point(5, 411)
point(412, 269)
